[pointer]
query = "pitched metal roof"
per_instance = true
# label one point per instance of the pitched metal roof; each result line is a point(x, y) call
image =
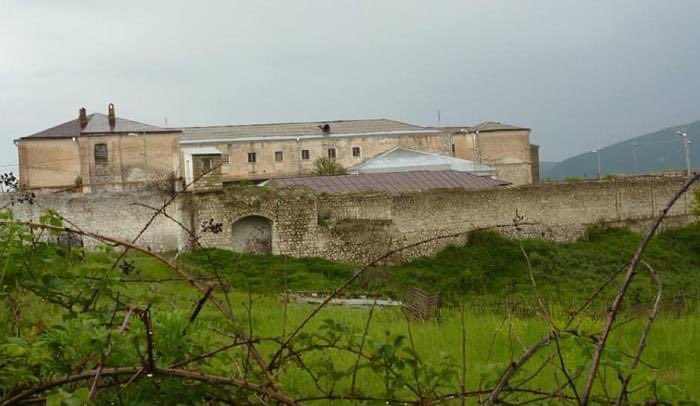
point(97, 124)
point(400, 159)
point(488, 126)
point(496, 126)
point(290, 131)
point(395, 182)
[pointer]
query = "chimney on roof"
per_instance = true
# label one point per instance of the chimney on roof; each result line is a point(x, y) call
point(82, 118)
point(110, 116)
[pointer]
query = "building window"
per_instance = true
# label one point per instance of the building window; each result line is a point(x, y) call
point(331, 153)
point(206, 165)
point(453, 149)
point(305, 154)
point(251, 157)
point(356, 151)
point(279, 156)
point(101, 154)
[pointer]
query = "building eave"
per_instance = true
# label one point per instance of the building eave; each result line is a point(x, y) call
point(303, 137)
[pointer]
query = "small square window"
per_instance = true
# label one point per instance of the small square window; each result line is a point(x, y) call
point(355, 151)
point(331, 153)
point(251, 157)
point(279, 156)
point(305, 154)
point(453, 149)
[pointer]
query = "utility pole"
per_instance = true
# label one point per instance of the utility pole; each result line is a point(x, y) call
point(634, 157)
point(686, 145)
point(597, 151)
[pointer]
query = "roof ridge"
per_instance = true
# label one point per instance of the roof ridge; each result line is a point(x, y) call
point(303, 122)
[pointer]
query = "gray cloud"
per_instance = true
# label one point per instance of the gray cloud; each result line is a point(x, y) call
point(580, 74)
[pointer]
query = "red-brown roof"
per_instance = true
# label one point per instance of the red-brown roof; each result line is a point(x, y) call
point(394, 182)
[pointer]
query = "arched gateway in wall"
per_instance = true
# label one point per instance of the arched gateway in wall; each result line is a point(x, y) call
point(252, 234)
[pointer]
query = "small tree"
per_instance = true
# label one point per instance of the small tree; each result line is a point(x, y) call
point(328, 167)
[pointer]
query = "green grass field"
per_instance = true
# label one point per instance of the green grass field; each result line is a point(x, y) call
point(488, 269)
point(491, 340)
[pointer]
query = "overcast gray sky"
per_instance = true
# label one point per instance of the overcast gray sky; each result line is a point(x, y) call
point(581, 74)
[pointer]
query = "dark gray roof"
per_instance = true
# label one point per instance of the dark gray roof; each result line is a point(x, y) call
point(394, 182)
point(98, 124)
point(251, 132)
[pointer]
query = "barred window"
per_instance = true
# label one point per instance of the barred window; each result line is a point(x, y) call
point(251, 157)
point(331, 153)
point(305, 154)
point(279, 156)
point(355, 151)
point(101, 153)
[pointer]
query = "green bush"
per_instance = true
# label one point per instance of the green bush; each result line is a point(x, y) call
point(328, 167)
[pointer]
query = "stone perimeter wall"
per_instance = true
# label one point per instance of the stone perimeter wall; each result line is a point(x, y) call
point(118, 215)
point(360, 227)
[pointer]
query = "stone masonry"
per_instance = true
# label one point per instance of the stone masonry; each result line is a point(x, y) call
point(361, 227)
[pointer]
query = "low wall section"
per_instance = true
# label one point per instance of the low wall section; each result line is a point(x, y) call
point(118, 215)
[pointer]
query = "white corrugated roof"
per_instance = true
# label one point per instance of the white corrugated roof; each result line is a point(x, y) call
point(401, 159)
point(201, 151)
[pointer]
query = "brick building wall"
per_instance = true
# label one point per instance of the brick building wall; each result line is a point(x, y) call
point(132, 162)
point(284, 158)
point(510, 152)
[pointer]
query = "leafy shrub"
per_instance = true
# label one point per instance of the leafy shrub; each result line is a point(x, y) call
point(328, 167)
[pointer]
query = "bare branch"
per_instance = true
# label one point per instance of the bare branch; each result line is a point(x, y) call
point(645, 333)
point(169, 372)
point(615, 308)
point(515, 365)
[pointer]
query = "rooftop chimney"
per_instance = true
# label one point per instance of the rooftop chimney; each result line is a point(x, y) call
point(82, 118)
point(110, 115)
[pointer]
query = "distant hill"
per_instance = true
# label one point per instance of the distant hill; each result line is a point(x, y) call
point(546, 166)
point(656, 152)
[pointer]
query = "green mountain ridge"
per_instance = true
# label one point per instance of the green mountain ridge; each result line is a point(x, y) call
point(656, 152)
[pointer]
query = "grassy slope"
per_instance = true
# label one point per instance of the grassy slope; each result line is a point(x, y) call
point(487, 266)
